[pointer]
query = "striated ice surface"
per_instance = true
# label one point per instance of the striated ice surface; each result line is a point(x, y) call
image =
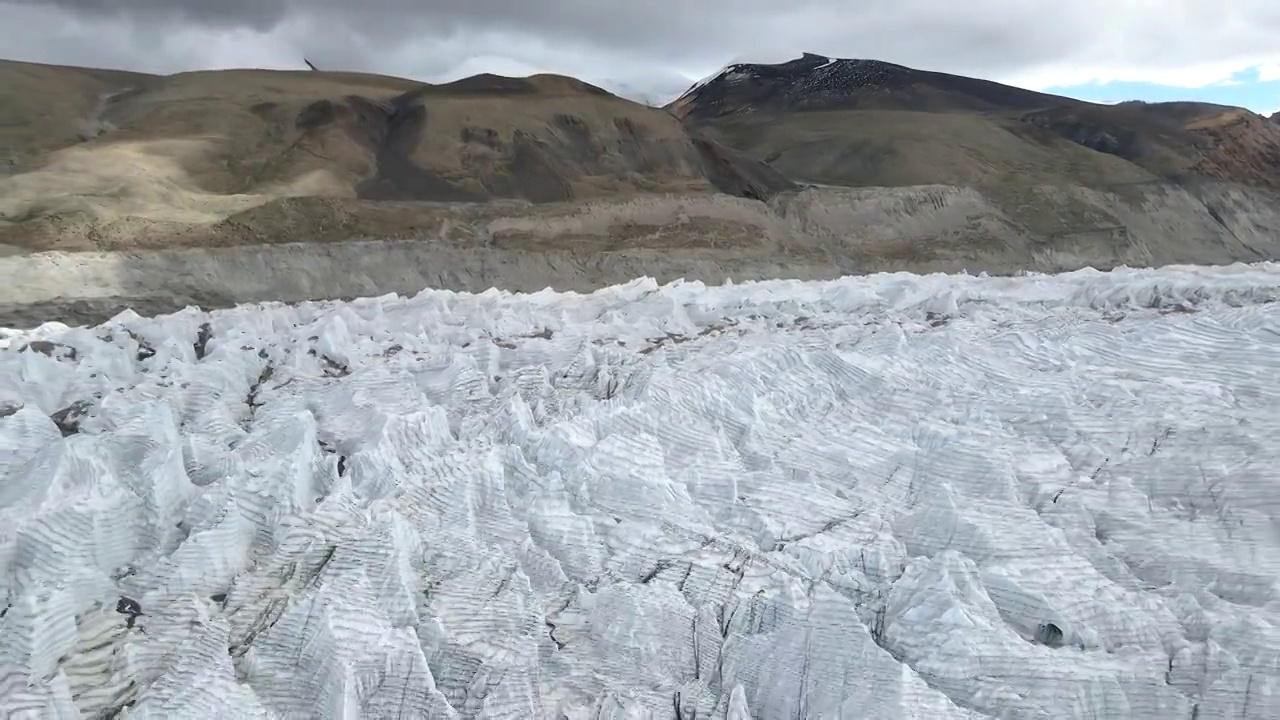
point(885, 497)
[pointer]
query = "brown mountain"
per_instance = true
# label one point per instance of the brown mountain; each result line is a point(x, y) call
point(94, 153)
point(242, 185)
point(865, 122)
point(817, 83)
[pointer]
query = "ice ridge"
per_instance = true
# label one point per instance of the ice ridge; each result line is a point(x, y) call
point(895, 496)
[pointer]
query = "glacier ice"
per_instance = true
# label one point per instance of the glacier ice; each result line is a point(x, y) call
point(894, 496)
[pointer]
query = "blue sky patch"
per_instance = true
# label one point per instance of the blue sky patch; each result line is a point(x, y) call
point(1245, 89)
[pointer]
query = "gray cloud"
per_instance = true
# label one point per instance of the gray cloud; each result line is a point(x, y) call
point(652, 47)
point(258, 14)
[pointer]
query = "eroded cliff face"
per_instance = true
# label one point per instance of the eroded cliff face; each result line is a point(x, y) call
point(303, 252)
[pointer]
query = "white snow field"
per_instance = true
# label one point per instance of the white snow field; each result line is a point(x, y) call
point(893, 496)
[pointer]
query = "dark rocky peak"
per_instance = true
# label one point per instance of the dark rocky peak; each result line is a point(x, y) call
point(811, 80)
point(817, 82)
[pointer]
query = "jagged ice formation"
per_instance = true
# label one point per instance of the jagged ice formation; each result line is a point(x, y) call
point(884, 497)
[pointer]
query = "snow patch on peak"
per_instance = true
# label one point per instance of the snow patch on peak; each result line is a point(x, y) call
point(740, 68)
point(808, 73)
point(695, 87)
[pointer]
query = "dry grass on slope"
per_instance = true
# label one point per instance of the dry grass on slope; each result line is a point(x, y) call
point(47, 107)
point(1243, 147)
point(188, 148)
point(194, 149)
point(901, 148)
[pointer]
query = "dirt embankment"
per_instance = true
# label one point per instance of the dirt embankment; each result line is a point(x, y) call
point(818, 233)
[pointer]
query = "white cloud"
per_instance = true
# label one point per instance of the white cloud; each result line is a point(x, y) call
point(1191, 76)
point(656, 47)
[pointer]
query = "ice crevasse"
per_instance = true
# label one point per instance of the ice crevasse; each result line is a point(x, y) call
point(894, 496)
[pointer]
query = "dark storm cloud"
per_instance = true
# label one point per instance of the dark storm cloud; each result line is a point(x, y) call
point(651, 45)
point(690, 28)
point(255, 14)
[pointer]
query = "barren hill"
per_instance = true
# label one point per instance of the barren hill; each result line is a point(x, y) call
point(814, 82)
point(93, 156)
point(868, 123)
point(244, 185)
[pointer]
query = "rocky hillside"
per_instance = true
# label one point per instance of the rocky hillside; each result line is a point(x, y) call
point(870, 123)
point(92, 155)
point(232, 186)
point(814, 82)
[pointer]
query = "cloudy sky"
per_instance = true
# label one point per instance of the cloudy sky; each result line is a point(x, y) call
point(1106, 50)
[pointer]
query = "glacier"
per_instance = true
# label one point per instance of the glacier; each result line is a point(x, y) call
point(892, 496)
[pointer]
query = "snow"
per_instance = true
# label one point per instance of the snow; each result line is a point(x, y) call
point(834, 76)
point(756, 59)
point(699, 84)
point(867, 498)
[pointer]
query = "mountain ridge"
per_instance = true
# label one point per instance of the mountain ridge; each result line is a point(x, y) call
point(749, 106)
point(815, 167)
point(818, 82)
point(92, 149)
point(811, 68)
